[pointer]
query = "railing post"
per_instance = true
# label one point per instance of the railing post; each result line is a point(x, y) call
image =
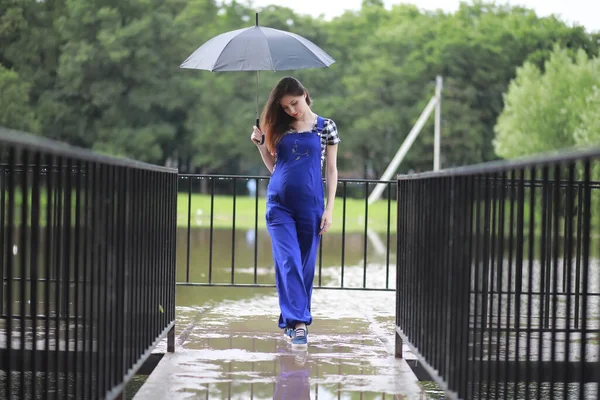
point(171, 340)
point(399, 345)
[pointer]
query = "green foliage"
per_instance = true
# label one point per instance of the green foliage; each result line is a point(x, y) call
point(103, 74)
point(14, 102)
point(551, 109)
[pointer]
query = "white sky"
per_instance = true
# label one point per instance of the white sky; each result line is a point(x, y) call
point(582, 12)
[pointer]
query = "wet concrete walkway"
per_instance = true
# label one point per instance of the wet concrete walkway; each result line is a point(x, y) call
point(233, 349)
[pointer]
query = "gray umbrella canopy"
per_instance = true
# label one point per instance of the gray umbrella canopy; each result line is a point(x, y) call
point(257, 48)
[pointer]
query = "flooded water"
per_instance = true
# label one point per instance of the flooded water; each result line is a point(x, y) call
point(247, 253)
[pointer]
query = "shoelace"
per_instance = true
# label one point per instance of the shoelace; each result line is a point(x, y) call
point(300, 332)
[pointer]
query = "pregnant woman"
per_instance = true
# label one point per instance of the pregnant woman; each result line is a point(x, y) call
point(298, 143)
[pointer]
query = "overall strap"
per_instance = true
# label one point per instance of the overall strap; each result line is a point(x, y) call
point(320, 123)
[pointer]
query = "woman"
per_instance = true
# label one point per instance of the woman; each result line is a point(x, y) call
point(297, 144)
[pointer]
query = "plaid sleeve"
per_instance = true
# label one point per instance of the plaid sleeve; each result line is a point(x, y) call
point(331, 132)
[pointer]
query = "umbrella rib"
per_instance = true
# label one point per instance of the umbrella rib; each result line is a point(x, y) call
point(269, 46)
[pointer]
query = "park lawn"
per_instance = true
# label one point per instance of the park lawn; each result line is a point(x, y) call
point(246, 213)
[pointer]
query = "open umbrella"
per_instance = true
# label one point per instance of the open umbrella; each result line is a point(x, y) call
point(257, 48)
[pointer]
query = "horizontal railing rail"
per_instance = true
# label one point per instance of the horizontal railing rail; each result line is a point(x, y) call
point(498, 277)
point(87, 261)
point(224, 242)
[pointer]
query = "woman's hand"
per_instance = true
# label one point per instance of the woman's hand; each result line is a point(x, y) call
point(326, 220)
point(257, 136)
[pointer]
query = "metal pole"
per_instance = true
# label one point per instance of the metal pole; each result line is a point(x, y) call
point(438, 122)
point(393, 166)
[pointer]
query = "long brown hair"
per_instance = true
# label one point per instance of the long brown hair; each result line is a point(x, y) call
point(274, 121)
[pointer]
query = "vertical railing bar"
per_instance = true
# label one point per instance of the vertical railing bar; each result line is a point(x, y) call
point(189, 231)
point(548, 265)
point(100, 253)
point(485, 272)
point(585, 275)
point(77, 264)
point(492, 290)
point(426, 260)
point(160, 201)
point(256, 232)
point(517, 287)
point(437, 231)
point(125, 291)
point(154, 264)
point(34, 271)
point(451, 360)
point(531, 252)
point(555, 255)
point(468, 232)
point(233, 231)
point(59, 237)
point(568, 271)
point(67, 270)
point(24, 217)
point(212, 222)
point(415, 260)
point(88, 288)
point(501, 191)
point(475, 372)
point(446, 298)
point(388, 249)
point(136, 203)
point(461, 265)
point(173, 258)
point(578, 255)
point(365, 236)
point(97, 251)
point(10, 224)
point(108, 274)
point(344, 186)
point(114, 268)
point(461, 332)
point(2, 234)
point(48, 263)
point(543, 263)
point(151, 304)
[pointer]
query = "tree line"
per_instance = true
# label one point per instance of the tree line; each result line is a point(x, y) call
point(103, 74)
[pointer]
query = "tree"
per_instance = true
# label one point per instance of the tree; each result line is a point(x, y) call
point(15, 112)
point(103, 74)
point(551, 109)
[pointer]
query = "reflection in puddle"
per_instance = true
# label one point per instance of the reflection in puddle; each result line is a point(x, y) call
point(293, 379)
point(243, 367)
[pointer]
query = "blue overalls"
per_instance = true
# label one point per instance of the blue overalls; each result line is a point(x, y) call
point(295, 204)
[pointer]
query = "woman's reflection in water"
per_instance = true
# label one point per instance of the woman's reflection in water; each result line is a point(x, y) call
point(293, 380)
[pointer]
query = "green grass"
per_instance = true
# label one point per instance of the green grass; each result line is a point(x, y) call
point(246, 213)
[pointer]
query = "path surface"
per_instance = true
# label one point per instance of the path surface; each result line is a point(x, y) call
point(232, 349)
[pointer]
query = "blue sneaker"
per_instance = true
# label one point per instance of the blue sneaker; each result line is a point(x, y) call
point(300, 338)
point(288, 333)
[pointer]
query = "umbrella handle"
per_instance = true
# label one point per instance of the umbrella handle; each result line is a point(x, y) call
point(262, 140)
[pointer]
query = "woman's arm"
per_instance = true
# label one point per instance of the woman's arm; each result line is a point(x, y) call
point(331, 177)
point(267, 157)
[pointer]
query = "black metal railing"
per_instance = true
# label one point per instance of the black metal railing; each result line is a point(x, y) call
point(499, 277)
point(87, 262)
point(224, 241)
